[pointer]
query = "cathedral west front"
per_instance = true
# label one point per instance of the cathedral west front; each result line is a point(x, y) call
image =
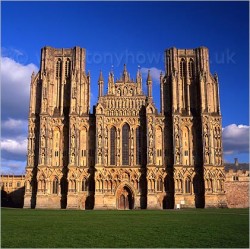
point(127, 154)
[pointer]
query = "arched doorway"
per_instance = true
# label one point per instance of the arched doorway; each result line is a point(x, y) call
point(125, 199)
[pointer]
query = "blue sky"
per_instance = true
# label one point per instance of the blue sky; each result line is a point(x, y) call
point(114, 33)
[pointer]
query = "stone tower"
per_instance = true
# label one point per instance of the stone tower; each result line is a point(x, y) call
point(190, 103)
point(58, 115)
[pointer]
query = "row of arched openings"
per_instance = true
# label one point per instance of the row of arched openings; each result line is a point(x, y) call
point(158, 187)
point(179, 185)
point(55, 186)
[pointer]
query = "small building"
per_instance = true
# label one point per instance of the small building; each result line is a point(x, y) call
point(12, 190)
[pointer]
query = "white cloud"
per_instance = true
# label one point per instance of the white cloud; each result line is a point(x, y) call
point(155, 73)
point(14, 126)
point(235, 139)
point(15, 84)
point(12, 167)
point(18, 146)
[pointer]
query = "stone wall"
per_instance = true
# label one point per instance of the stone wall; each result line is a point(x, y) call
point(237, 188)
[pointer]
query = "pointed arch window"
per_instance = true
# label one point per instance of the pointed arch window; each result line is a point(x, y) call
point(159, 185)
point(182, 67)
point(191, 68)
point(188, 185)
point(84, 185)
point(55, 186)
point(125, 144)
point(67, 68)
point(138, 145)
point(59, 68)
point(112, 145)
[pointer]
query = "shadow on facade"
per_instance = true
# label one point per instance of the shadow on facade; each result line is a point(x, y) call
point(198, 180)
point(143, 188)
point(143, 185)
point(36, 161)
point(199, 189)
point(90, 200)
point(64, 179)
point(168, 200)
point(14, 199)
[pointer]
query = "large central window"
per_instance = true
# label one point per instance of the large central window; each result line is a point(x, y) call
point(125, 144)
point(112, 145)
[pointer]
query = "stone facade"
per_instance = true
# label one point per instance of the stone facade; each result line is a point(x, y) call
point(127, 155)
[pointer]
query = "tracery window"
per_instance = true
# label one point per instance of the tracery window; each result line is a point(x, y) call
point(125, 144)
point(138, 145)
point(112, 145)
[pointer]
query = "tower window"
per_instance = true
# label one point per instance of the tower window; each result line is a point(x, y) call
point(67, 68)
point(191, 68)
point(182, 67)
point(59, 68)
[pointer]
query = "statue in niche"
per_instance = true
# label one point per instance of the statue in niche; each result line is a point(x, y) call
point(216, 158)
point(131, 92)
point(106, 158)
point(132, 158)
point(206, 157)
point(29, 160)
point(74, 92)
point(42, 141)
point(44, 92)
point(150, 156)
point(72, 158)
point(99, 158)
point(177, 141)
point(99, 141)
point(42, 158)
point(219, 159)
point(73, 141)
point(206, 140)
point(106, 137)
point(151, 141)
point(100, 129)
point(43, 131)
point(119, 92)
point(177, 157)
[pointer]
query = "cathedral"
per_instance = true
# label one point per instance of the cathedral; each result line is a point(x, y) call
point(127, 154)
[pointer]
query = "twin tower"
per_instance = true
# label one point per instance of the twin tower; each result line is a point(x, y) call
point(127, 155)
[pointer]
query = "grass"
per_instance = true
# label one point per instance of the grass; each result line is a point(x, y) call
point(214, 228)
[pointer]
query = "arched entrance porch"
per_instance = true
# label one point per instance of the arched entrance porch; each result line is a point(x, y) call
point(124, 198)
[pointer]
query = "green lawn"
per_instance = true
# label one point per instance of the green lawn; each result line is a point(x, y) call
point(165, 228)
